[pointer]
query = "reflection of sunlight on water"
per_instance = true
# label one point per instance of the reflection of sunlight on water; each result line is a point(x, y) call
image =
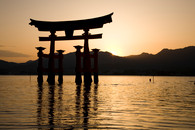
point(122, 102)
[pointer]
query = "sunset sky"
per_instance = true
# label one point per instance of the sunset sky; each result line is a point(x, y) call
point(138, 25)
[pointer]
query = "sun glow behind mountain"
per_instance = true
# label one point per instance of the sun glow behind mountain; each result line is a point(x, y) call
point(138, 25)
point(114, 53)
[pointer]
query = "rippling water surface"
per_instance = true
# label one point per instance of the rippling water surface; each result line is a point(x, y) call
point(118, 102)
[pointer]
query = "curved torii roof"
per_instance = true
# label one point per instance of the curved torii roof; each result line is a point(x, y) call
point(72, 25)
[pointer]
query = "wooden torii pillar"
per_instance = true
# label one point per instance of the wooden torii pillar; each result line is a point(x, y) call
point(60, 66)
point(86, 60)
point(40, 65)
point(78, 69)
point(95, 70)
point(69, 27)
point(51, 67)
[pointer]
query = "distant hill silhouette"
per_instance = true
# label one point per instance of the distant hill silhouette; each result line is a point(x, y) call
point(166, 62)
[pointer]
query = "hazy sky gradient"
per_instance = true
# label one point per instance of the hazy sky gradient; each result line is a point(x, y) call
point(138, 25)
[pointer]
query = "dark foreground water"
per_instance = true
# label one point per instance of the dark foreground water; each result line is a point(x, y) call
point(118, 102)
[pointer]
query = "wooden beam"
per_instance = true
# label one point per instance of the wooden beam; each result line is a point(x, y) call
point(93, 23)
point(80, 37)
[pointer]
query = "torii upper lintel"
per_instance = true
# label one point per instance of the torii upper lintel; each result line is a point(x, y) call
point(72, 25)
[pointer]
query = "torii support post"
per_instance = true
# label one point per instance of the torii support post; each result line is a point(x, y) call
point(86, 60)
point(60, 66)
point(95, 73)
point(78, 69)
point(40, 65)
point(51, 73)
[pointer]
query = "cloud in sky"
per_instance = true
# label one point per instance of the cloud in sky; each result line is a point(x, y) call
point(6, 46)
point(6, 53)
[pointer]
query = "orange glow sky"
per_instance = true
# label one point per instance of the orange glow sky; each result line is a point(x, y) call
point(138, 25)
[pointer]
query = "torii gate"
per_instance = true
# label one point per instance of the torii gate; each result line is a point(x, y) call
point(69, 27)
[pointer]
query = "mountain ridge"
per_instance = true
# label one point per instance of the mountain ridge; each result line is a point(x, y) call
point(166, 62)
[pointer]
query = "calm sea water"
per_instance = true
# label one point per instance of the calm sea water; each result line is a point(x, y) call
point(118, 102)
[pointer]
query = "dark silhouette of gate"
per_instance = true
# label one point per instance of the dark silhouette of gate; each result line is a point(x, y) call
point(69, 27)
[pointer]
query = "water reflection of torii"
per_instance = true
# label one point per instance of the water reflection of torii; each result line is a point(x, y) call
point(86, 107)
point(69, 27)
point(47, 104)
point(49, 107)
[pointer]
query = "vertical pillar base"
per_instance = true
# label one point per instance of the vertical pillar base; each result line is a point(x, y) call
point(78, 79)
point(95, 72)
point(40, 79)
point(78, 70)
point(60, 78)
point(60, 66)
point(51, 78)
point(87, 78)
point(96, 80)
point(40, 65)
